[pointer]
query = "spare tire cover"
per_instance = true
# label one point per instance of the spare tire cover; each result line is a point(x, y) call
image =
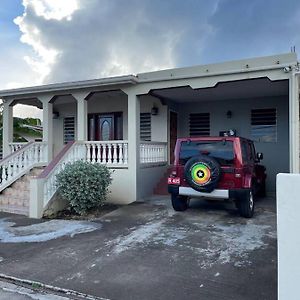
point(202, 173)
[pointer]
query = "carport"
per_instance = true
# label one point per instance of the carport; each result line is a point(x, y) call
point(256, 108)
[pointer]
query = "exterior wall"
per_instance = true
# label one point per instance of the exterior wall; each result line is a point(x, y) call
point(111, 104)
point(288, 207)
point(159, 128)
point(159, 123)
point(64, 110)
point(276, 155)
point(120, 189)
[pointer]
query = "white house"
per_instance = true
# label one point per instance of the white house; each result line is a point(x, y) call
point(130, 123)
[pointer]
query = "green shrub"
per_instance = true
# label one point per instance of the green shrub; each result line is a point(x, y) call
point(84, 185)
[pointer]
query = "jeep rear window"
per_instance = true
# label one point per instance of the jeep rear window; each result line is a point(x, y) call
point(222, 151)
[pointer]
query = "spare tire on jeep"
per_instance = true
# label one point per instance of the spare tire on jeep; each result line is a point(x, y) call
point(202, 173)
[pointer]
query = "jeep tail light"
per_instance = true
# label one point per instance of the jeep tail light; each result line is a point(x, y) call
point(173, 173)
point(238, 173)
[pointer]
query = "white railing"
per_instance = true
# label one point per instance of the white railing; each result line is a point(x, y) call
point(106, 152)
point(16, 146)
point(21, 161)
point(153, 153)
point(114, 154)
point(70, 153)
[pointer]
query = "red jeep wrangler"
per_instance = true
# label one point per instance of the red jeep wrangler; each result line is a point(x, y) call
point(217, 168)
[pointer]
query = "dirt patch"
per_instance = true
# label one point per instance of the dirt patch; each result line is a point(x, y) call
point(70, 214)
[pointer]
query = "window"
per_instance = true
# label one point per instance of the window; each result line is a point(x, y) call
point(69, 129)
point(200, 124)
point(222, 151)
point(245, 152)
point(264, 125)
point(145, 126)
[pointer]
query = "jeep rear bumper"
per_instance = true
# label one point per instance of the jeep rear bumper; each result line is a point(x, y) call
point(215, 194)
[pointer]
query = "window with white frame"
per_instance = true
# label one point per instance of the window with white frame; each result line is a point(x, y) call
point(199, 124)
point(69, 129)
point(145, 127)
point(264, 125)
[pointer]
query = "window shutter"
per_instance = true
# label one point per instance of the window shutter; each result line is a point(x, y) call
point(264, 124)
point(145, 127)
point(69, 129)
point(200, 124)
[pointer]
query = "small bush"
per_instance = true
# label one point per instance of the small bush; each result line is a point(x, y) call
point(84, 185)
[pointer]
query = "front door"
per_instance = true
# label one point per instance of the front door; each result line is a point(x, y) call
point(105, 127)
point(173, 134)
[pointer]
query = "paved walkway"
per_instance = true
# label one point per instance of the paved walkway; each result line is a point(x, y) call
point(148, 251)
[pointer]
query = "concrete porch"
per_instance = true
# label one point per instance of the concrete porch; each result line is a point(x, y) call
point(130, 154)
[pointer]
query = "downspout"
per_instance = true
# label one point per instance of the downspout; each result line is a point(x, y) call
point(294, 120)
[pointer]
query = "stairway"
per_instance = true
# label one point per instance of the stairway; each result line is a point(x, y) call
point(15, 198)
point(162, 186)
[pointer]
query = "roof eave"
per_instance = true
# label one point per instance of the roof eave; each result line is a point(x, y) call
point(74, 85)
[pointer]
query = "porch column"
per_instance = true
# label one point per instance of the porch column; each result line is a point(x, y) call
point(133, 142)
point(8, 127)
point(48, 124)
point(294, 122)
point(82, 110)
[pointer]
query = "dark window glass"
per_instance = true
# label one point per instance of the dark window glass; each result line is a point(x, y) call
point(264, 125)
point(222, 151)
point(245, 151)
point(105, 131)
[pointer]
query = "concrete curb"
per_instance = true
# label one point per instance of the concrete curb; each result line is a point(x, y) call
point(49, 287)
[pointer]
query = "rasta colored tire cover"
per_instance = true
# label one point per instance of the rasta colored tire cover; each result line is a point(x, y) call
point(202, 173)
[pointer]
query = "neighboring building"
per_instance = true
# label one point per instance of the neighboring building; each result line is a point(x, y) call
point(131, 123)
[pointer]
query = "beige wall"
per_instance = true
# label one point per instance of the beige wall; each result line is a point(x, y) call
point(276, 155)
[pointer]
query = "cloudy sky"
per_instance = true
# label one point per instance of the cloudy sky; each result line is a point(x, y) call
point(46, 41)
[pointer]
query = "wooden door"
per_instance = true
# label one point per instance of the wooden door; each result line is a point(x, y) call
point(173, 134)
point(101, 127)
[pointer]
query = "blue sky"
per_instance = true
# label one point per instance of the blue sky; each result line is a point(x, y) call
point(55, 40)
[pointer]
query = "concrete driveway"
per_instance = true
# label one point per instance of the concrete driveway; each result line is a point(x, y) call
point(148, 251)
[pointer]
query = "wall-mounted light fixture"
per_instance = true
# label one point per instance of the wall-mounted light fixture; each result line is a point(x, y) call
point(154, 110)
point(229, 114)
point(55, 115)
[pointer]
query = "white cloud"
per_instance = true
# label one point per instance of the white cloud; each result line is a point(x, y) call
point(80, 39)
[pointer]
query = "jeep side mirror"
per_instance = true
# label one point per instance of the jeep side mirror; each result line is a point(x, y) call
point(259, 156)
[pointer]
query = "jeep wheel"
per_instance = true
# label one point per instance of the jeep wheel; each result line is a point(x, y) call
point(245, 204)
point(180, 203)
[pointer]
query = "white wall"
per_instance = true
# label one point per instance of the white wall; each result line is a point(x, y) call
point(288, 209)
point(120, 189)
point(159, 123)
point(276, 154)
